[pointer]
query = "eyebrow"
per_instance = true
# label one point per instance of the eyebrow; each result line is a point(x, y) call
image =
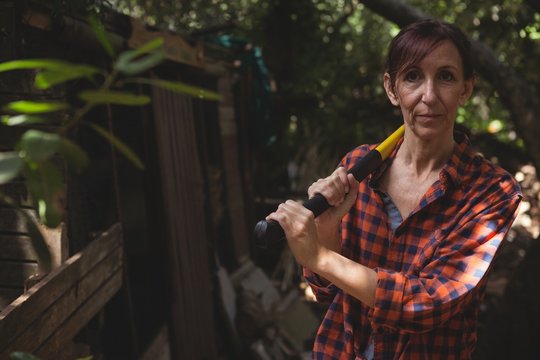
point(449, 67)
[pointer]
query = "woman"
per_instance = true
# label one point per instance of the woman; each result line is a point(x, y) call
point(403, 257)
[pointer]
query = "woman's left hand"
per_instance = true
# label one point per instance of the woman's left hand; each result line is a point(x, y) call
point(299, 226)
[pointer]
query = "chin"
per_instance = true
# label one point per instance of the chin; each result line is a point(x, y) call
point(429, 132)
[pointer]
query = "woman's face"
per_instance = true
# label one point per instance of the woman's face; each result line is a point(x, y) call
point(430, 92)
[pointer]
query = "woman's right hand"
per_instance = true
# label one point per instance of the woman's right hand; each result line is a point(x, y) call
point(340, 190)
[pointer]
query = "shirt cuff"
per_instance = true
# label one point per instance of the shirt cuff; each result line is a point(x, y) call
point(323, 290)
point(388, 307)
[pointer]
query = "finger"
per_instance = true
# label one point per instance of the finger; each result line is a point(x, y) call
point(332, 188)
point(289, 210)
point(281, 216)
point(294, 218)
point(340, 186)
point(351, 195)
point(342, 174)
point(270, 216)
point(296, 209)
point(316, 188)
point(353, 183)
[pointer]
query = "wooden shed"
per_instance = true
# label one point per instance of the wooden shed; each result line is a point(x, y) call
point(136, 261)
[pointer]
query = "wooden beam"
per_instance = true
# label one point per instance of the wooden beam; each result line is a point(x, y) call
point(80, 317)
point(15, 273)
point(17, 247)
point(90, 288)
point(176, 48)
point(63, 293)
point(7, 295)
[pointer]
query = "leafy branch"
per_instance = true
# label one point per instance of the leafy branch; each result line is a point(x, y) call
point(36, 154)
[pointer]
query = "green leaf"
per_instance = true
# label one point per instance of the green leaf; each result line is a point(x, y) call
point(54, 71)
point(74, 155)
point(35, 107)
point(119, 145)
point(47, 79)
point(149, 46)
point(27, 64)
point(127, 61)
point(49, 65)
point(19, 355)
point(114, 97)
point(101, 35)
point(179, 87)
point(140, 65)
point(39, 145)
point(10, 166)
point(45, 183)
point(21, 120)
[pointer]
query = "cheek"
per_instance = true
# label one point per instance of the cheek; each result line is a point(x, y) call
point(453, 101)
point(407, 103)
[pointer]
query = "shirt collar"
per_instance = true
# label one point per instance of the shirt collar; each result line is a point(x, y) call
point(458, 163)
point(453, 171)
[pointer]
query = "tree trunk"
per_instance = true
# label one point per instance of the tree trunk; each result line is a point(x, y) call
point(521, 100)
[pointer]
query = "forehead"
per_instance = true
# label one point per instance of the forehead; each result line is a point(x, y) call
point(444, 54)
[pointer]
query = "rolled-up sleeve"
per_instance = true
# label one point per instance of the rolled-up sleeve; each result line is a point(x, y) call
point(445, 283)
point(323, 290)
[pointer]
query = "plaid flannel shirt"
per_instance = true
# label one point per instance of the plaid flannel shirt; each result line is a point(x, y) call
point(431, 271)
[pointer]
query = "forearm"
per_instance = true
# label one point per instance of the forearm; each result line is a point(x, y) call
point(329, 236)
point(353, 278)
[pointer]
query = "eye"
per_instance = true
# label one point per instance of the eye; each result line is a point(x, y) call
point(412, 76)
point(446, 75)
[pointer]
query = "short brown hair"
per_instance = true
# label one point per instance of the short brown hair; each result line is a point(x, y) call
point(416, 40)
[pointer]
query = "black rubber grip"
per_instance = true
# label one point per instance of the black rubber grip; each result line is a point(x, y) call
point(269, 233)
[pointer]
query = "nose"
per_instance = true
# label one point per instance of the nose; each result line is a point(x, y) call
point(429, 92)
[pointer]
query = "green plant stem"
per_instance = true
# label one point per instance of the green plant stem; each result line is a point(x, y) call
point(79, 114)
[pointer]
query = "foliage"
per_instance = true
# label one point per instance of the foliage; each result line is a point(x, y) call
point(327, 57)
point(40, 150)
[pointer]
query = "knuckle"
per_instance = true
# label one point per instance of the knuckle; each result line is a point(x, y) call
point(302, 227)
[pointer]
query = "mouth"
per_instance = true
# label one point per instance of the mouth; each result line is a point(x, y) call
point(427, 116)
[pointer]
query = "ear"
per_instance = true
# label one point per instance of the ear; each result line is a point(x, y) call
point(468, 87)
point(389, 90)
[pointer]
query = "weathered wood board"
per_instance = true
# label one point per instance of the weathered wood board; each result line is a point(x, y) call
point(54, 310)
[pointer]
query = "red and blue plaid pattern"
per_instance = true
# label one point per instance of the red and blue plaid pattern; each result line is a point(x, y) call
point(431, 270)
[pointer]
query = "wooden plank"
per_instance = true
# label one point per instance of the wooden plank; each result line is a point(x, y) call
point(12, 221)
point(81, 317)
point(51, 319)
point(191, 325)
point(14, 273)
point(233, 179)
point(17, 316)
point(175, 47)
point(17, 247)
point(15, 243)
point(74, 32)
point(7, 295)
point(159, 348)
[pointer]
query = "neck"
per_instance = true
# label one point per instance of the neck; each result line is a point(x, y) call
point(425, 157)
